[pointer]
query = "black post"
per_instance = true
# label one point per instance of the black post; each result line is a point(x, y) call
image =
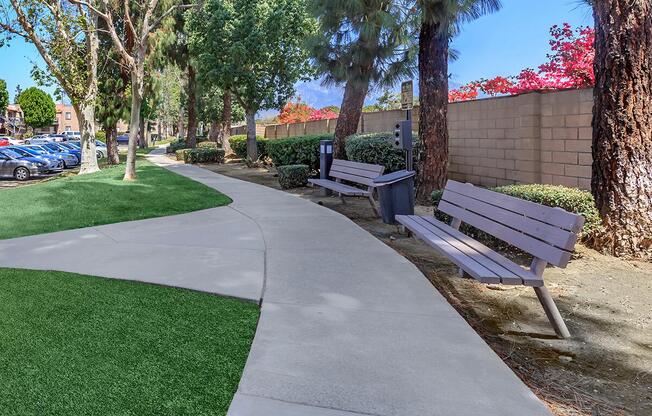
point(325, 161)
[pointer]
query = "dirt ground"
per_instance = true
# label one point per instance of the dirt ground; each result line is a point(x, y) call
point(604, 369)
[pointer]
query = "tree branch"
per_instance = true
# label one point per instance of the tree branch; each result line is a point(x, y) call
point(167, 13)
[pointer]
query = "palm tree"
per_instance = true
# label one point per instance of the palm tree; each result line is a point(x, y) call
point(361, 44)
point(440, 21)
point(622, 125)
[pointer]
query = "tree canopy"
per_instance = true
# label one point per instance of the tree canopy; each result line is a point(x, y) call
point(4, 96)
point(38, 107)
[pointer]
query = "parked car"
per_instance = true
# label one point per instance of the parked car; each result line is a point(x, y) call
point(4, 141)
point(71, 135)
point(123, 138)
point(39, 140)
point(69, 160)
point(60, 148)
point(13, 165)
point(55, 165)
point(15, 142)
point(100, 148)
point(58, 137)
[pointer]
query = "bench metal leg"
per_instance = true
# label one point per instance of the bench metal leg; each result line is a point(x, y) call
point(552, 312)
point(342, 198)
point(373, 206)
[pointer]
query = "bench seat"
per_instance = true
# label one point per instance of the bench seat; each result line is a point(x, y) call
point(476, 259)
point(339, 187)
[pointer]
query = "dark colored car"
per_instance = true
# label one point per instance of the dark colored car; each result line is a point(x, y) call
point(13, 165)
point(69, 160)
point(123, 138)
point(61, 148)
point(55, 164)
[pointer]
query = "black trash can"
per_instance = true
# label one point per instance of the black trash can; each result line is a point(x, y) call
point(395, 194)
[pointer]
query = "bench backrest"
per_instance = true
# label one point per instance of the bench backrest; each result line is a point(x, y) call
point(362, 173)
point(547, 233)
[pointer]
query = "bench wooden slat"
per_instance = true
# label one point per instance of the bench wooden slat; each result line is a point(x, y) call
point(551, 234)
point(351, 178)
point(339, 187)
point(553, 216)
point(529, 244)
point(353, 171)
point(503, 274)
point(378, 169)
point(461, 259)
point(528, 278)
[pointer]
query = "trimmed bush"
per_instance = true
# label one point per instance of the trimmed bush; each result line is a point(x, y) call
point(238, 143)
point(572, 200)
point(376, 148)
point(100, 135)
point(207, 145)
point(203, 155)
point(176, 145)
point(181, 154)
point(293, 176)
point(299, 150)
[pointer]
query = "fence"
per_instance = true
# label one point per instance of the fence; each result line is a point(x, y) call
point(529, 138)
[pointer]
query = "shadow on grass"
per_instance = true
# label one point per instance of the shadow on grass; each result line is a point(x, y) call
point(102, 198)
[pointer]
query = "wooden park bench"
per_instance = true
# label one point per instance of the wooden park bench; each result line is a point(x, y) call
point(353, 172)
point(548, 234)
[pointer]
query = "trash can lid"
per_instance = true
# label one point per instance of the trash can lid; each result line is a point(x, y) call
point(394, 177)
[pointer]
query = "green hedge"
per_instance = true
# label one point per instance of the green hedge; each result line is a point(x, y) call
point(181, 154)
point(376, 148)
point(299, 150)
point(572, 200)
point(293, 176)
point(100, 135)
point(204, 155)
point(176, 145)
point(238, 143)
point(207, 145)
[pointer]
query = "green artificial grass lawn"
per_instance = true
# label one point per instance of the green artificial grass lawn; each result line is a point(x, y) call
point(101, 198)
point(81, 345)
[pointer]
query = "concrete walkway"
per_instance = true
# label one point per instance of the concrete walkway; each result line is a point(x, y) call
point(348, 326)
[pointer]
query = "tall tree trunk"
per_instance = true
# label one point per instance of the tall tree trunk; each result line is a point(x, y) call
point(252, 146)
point(349, 117)
point(86, 109)
point(142, 133)
point(191, 138)
point(622, 125)
point(137, 77)
point(112, 144)
point(214, 131)
point(433, 110)
point(180, 126)
point(227, 115)
point(86, 113)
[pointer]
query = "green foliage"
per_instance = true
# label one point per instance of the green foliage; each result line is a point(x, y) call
point(4, 96)
point(181, 154)
point(364, 42)
point(203, 155)
point(255, 49)
point(176, 145)
point(207, 145)
point(38, 107)
point(100, 135)
point(293, 176)
point(238, 144)
point(300, 150)
point(572, 200)
point(376, 148)
point(127, 346)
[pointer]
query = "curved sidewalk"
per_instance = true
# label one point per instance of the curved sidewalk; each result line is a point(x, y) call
point(348, 326)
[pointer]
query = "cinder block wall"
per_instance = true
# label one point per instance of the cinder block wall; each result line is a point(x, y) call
point(529, 138)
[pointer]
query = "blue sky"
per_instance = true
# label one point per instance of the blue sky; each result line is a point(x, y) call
point(499, 44)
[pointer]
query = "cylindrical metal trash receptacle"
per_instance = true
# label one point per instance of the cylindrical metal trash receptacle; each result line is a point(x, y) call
point(395, 194)
point(325, 162)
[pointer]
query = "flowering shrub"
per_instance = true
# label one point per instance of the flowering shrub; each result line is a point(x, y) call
point(299, 112)
point(570, 65)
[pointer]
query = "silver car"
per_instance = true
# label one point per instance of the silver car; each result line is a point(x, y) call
point(55, 165)
point(13, 165)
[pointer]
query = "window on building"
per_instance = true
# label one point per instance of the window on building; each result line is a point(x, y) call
point(68, 115)
point(68, 128)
